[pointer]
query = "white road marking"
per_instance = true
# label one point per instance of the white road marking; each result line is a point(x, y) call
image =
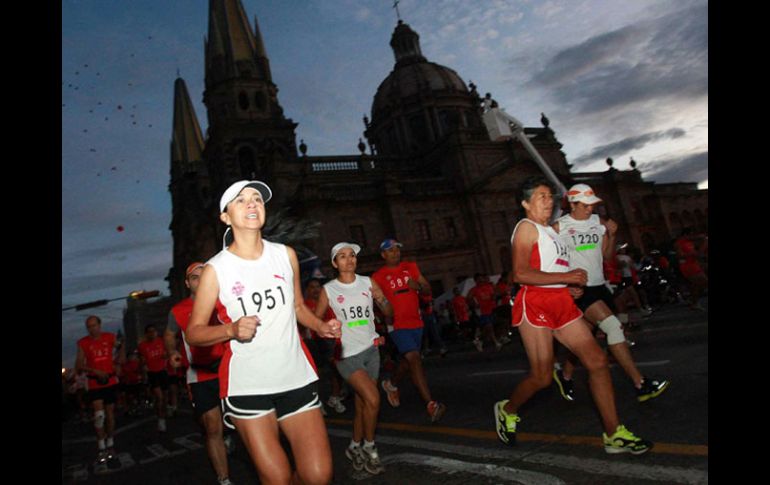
point(448, 465)
point(586, 465)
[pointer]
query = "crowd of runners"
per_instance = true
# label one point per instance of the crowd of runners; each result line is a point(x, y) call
point(255, 350)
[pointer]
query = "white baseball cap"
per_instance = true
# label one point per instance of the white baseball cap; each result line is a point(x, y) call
point(340, 246)
point(582, 193)
point(236, 188)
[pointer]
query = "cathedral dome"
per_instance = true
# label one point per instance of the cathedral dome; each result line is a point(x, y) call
point(419, 101)
point(415, 78)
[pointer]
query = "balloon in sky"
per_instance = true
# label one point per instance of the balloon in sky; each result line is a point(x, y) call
point(120, 228)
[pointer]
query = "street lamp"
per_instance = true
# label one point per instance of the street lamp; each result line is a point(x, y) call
point(134, 295)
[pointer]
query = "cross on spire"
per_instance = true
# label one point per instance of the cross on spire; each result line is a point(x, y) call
point(395, 5)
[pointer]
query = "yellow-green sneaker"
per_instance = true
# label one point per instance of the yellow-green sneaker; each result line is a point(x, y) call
point(624, 441)
point(505, 423)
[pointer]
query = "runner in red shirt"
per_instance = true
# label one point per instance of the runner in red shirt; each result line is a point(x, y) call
point(95, 357)
point(132, 381)
point(202, 373)
point(691, 268)
point(462, 313)
point(153, 352)
point(482, 298)
point(401, 281)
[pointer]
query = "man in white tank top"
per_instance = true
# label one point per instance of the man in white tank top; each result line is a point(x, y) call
point(590, 239)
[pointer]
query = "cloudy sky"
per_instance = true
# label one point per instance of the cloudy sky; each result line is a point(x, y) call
point(616, 79)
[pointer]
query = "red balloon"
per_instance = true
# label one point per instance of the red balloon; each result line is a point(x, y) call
point(120, 228)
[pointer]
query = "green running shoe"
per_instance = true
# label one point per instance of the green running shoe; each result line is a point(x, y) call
point(624, 441)
point(505, 423)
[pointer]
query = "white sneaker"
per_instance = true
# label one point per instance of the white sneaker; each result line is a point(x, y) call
point(372, 463)
point(479, 345)
point(162, 425)
point(335, 403)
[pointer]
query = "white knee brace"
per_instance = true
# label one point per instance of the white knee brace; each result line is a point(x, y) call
point(614, 330)
point(99, 419)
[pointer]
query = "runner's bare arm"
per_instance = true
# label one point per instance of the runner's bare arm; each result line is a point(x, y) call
point(323, 303)
point(523, 243)
point(379, 297)
point(330, 329)
point(199, 332)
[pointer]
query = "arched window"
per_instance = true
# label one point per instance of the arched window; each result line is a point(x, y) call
point(243, 101)
point(418, 129)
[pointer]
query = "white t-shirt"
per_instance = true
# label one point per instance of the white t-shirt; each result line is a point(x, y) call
point(584, 240)
point(549, 254)
point(274, 360)
point(353, 305)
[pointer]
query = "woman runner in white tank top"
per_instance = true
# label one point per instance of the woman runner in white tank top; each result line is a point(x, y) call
point(544, 309)
point(258, 285)
point(351, 296)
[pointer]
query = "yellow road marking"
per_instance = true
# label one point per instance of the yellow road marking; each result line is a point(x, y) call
point(669, 448)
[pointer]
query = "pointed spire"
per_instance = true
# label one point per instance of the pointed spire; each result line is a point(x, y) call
point(233, 50)
point(187, 140)
point(260, 47)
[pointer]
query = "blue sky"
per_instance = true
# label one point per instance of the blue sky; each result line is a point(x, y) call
point(617, 79)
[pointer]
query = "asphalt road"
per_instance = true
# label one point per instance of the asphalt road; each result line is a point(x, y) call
point(559, 442)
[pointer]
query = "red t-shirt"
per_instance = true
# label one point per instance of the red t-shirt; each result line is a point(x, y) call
point(98, 353)
point(460, 307)
point(484, 294)
point(406, 304)
point(504, 289)
point(131, 373)
point(154, 353)
point(198, 357)
point(611, 271)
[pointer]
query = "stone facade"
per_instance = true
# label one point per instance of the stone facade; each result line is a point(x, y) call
point(432, 179)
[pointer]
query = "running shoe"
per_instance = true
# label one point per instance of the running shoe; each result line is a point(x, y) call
point(624, 441)
point(335, 403)
point(498, 346)
point(372, 463)
point(391, 392)
point(436, 410)
point(162, 425)
point(355, 457)
point(225, 481)
point(478, 344)
point(505, 423)
point(651, 388)
point(102, 457)
point(566, 387)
